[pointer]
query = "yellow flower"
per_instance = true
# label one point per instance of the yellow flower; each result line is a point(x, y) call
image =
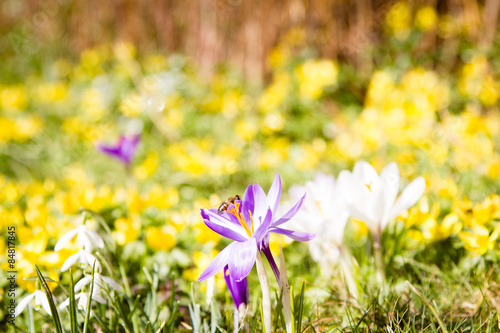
point(314, 75)
point(160, 198)
point(126, 229)
point(479, 240)
point(13, 98)
point(161, 239)
point(426, 18)
point(148, 166)
point(398, 20)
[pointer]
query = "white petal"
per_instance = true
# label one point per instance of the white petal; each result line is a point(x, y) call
point(84, 281)
point(42, 298)
point(65, 239)
point(70, 261)
point(408, 197)
point(94, 238)
point(390, 186)
point(82, 303)
point(64, 304)
point(111, 282)
point(365, 172)
point(98, 298)
point(85, 241)
point(91, 259)
point(22, 305)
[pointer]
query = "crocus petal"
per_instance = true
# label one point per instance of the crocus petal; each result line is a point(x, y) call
point(291, 213)
point(248, 203)
point(65, 239)
point(263, 229)
point(242, 259)
point(22, 305)
point(408, 197)
point(260, 208)
point(274, 194)
point(239, 290)
point(365, 172)
point(297, 235)
point(390, 186)
point(218, 263)
point(70, 261)
point(223, 227)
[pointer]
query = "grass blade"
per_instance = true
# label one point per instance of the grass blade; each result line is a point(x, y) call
point(429, 305)
point(72, 304)
point(301, 307)
point(89, 302)
point(50, 298)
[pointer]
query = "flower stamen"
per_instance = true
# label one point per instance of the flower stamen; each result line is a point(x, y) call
point(241, 219)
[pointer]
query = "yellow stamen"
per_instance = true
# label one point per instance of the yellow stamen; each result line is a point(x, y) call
point(251, 221)
point(369, 186)
point(237, 214)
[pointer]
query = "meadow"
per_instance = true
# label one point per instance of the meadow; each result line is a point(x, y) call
point(120, 161)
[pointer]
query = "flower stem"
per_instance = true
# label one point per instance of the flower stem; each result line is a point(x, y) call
point(346, 266)
point(266, 295)
point(379, 263)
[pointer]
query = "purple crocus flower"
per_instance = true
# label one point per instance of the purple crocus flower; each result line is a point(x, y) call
point(248, 222)
point(239, 290)
point(124, 150)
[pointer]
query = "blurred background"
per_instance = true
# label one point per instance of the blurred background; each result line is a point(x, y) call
point(243, 33)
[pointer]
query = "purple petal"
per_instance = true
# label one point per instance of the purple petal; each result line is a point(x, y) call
point(261, 205)
point(248, 203)
point(222, 226)
point(218, 263)
point(242, 259)
point(263, 229)
point(291, 213)
point(124, 150)
point(274, 195)
point(297, 235)
point(239, 290)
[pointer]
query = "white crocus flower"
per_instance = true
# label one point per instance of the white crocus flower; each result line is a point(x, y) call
point(84, 258)
point(323, 212)
point(372, 198)
point(87, 237)
point(41, 301)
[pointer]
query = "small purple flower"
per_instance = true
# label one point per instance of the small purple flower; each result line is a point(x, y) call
point(124, 150)
point(249, 222)
point(239, 290)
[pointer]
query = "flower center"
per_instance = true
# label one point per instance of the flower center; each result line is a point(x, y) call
point(236, 212)
point(369, 186)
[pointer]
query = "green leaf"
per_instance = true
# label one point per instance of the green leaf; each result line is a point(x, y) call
point(50, 298)
point(72, 304)
point(301, 307)
point(89, 302)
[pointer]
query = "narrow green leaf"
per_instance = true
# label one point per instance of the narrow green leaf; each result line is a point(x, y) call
point(301, 307)
point(72, 304)
point(89, 302)
point(50, 298)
